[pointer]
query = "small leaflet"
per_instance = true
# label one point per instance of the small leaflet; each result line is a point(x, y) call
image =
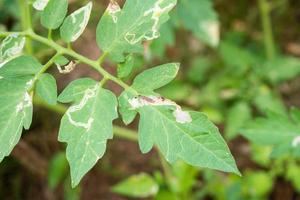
point(40, 4)
point(75, 24)
point(11, 47)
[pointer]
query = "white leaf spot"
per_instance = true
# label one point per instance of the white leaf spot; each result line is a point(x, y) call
point(88, 94)
point(40, 4)
point(212, 31)
point(113, 8)
point(182, 116)
point(296, 141)
point(156, 12)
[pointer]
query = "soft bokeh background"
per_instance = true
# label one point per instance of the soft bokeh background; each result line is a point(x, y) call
point(235, 67)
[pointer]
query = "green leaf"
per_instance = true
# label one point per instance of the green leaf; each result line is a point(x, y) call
point(54, 13)
point(138, 186)
point(155, 78)
point(20, 66)
point(200, 18)
point(75, 23)
point(61, 60)
point(16, 78)
point(15, 112)
point(281, 69)
point(238, 115)
point(11, 47)
point(125, 68)
point(189, 136)
point(57, 170)
point(122, 31)
point(275, 130)
point(46, 88)
point(87, 125)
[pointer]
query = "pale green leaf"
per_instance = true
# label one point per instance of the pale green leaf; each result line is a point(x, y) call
point(75, 23)
point(155, 78)
point(87, 125)
point(138, 186)
point(15, 112)
point(125, 68)
point(11, 47)
point(189, 136)
point(61, 60)
point(128, 114)
point(54, 13)
point(20, 66)
point(200, 18)
point(238, 115)
point(57, 170)
point(46, 88)
point(122, 31)
point(275, 130)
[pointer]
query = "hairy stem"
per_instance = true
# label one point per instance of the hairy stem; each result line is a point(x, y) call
point(265, 10)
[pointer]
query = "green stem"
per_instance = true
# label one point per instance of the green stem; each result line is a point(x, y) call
point(62, 50)
point(166, 169)
point(61, 109)
point(26, 22)
point(265, 10)
point(50, 34)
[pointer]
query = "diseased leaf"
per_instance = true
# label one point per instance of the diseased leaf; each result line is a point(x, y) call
point(146, 83)
point(155, 78)
point(11, 47)
point(87, 124)
point(200, 18)
point(54, 13)
point(46, 88)
point(16, 78)
point(138, 186)
point(275, 130)
point(121, 31)
point(189, 136)
point(15, 112)
point(178, 134)
point(75, 23)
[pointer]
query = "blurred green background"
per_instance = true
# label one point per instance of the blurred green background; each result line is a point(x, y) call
point(239, 64)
